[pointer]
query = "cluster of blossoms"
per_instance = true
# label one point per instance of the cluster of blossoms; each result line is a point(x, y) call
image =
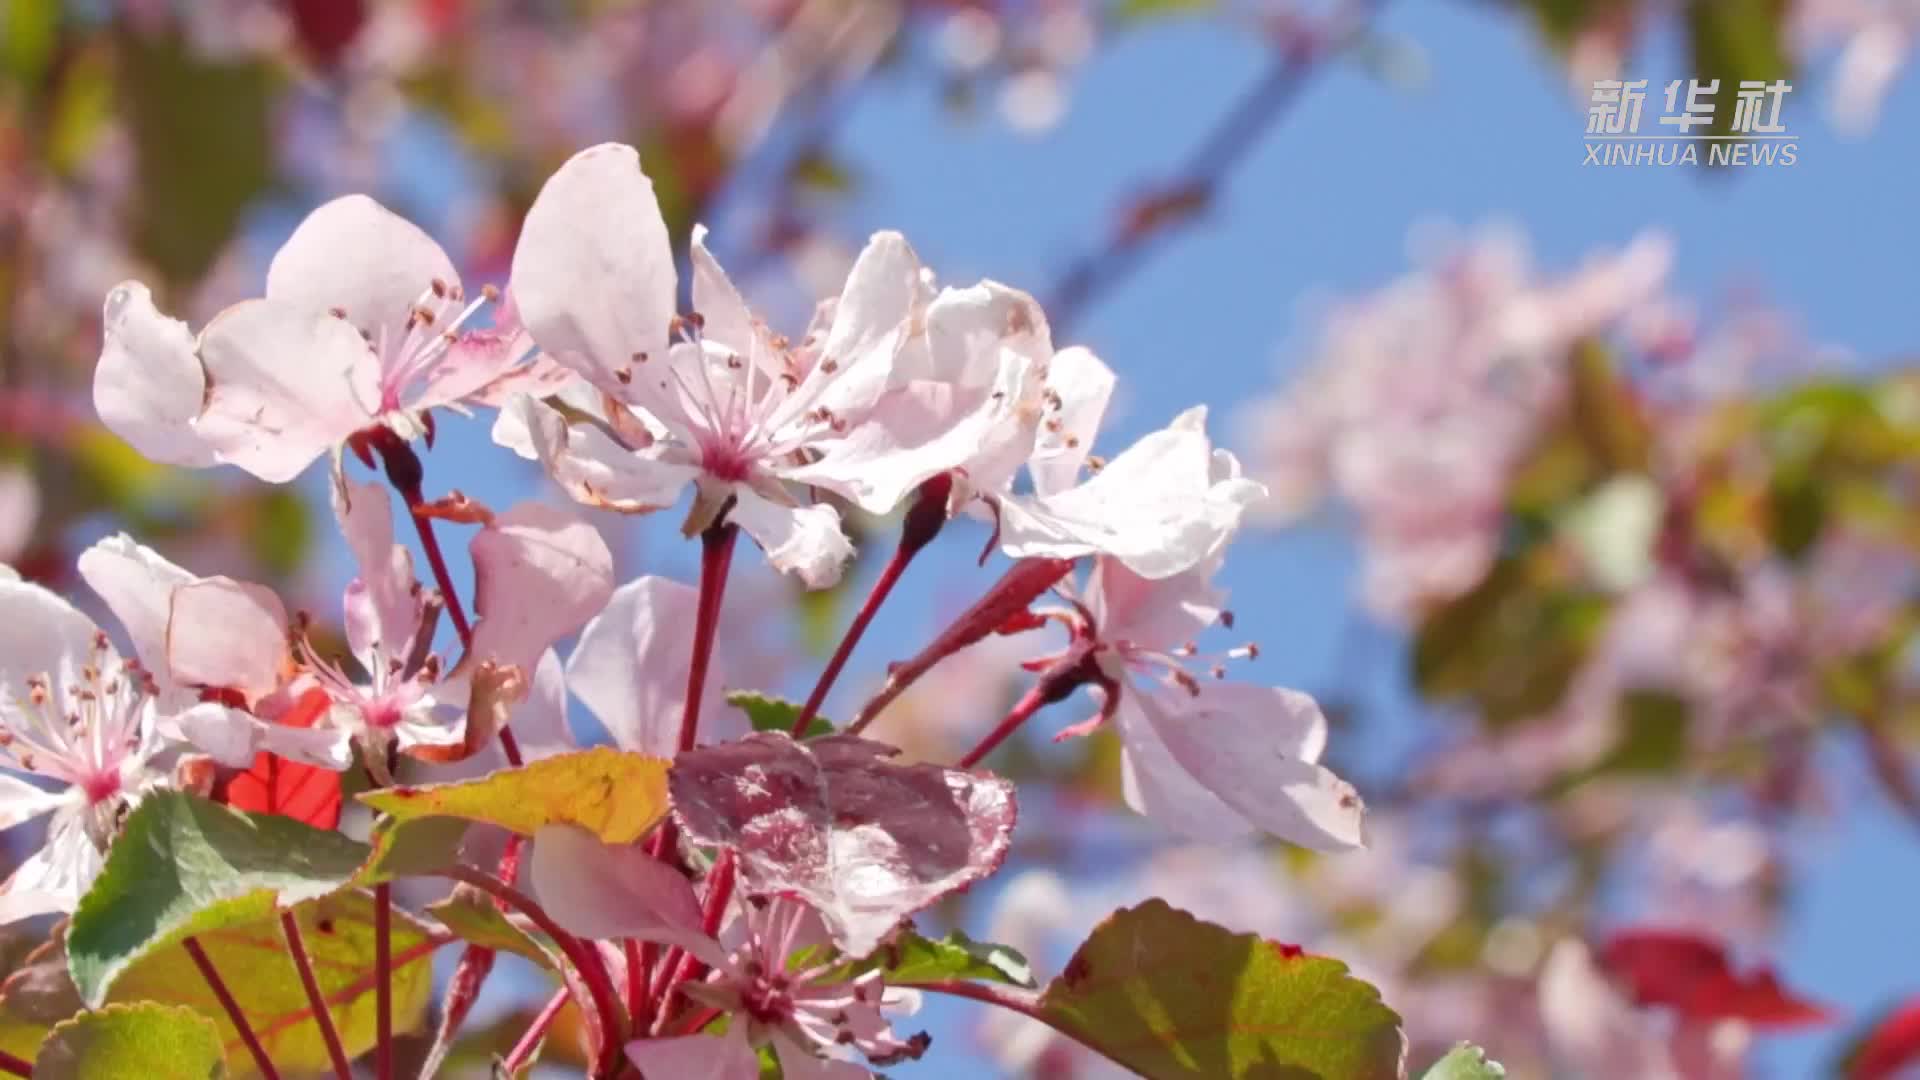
point(901, 394)
point(1438, 409)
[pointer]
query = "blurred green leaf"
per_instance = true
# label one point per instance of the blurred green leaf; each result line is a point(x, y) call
point(1130, 12)
point(1511, 645)
point(1732, 40)
point(81, 112)
point(775, 714)
point(1465, 1062)
point(282, 529)
point(202, 147)
point(28, 31)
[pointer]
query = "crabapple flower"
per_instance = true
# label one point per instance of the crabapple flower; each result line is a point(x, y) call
point(1208, 758)
point(74, 713)
point(406, 702)
point(363, 325)
point(730, 409)
point(983, 393)
point(815, 1017)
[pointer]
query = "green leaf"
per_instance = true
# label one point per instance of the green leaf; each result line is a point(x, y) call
point(475, 919)
point(1170, 996)
point(251, 959)
point(615, 795)
point(911, 960)
point(416, 847)
point(202, 147)
point(133, 1042)
point(1465, 1062)
point(776, 714)
point(185, 866)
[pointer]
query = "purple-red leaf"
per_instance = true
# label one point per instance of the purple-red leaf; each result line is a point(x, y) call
point(865, 841)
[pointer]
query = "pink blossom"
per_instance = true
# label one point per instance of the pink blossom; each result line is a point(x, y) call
point(1210, 759)
point(363, 325)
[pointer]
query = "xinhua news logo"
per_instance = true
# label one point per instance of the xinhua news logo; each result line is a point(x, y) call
point(1753, 136)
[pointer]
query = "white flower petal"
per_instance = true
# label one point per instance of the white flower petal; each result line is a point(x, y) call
point(52, 880)
point(286, 384)
point(137, 583)
point(539, 574)
point(37, 631)
point(390, 608)
point(1154, 507)
point(356, 255)
point(21, 802)
point(593, 273)
point(801, 540)
point(590, 466)
point(148, 386)
point(227, 633)
point(606, 891)
point(1256, 748)
point(1156, 785)
point(1083, 385)
point(630, 669)
point(697, 1057)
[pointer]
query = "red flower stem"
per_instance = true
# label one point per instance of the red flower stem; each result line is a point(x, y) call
point(698, 1019)
point(1028, 704)
point(442, 577)
point(582, 956)
point(347, 994)
point(639, 963)
point(716, 558)
point(523, 1050)
point(680, 965)
point(888, 577)
point(407, 476)
point(923, 522)
point(1021, 585)
point(11, 1064)
point(322, 1017)
point(232, 1007)
point(383, 980)
point(1072, 671)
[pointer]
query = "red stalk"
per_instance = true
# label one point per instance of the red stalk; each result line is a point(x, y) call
point(923, 522)
point(322, 1017)
point(582, 956)
point(716, 558)
point(522, 1051)
point(383, 980)
point(232, 1007)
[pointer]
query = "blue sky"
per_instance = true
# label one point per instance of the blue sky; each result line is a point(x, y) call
point(1326, 203)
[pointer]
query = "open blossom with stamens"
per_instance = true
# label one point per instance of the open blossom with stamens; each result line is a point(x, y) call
point(1209, 758)
point(72, 711)
point(729, 408)
point(815, 1017)
point(364, 324)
